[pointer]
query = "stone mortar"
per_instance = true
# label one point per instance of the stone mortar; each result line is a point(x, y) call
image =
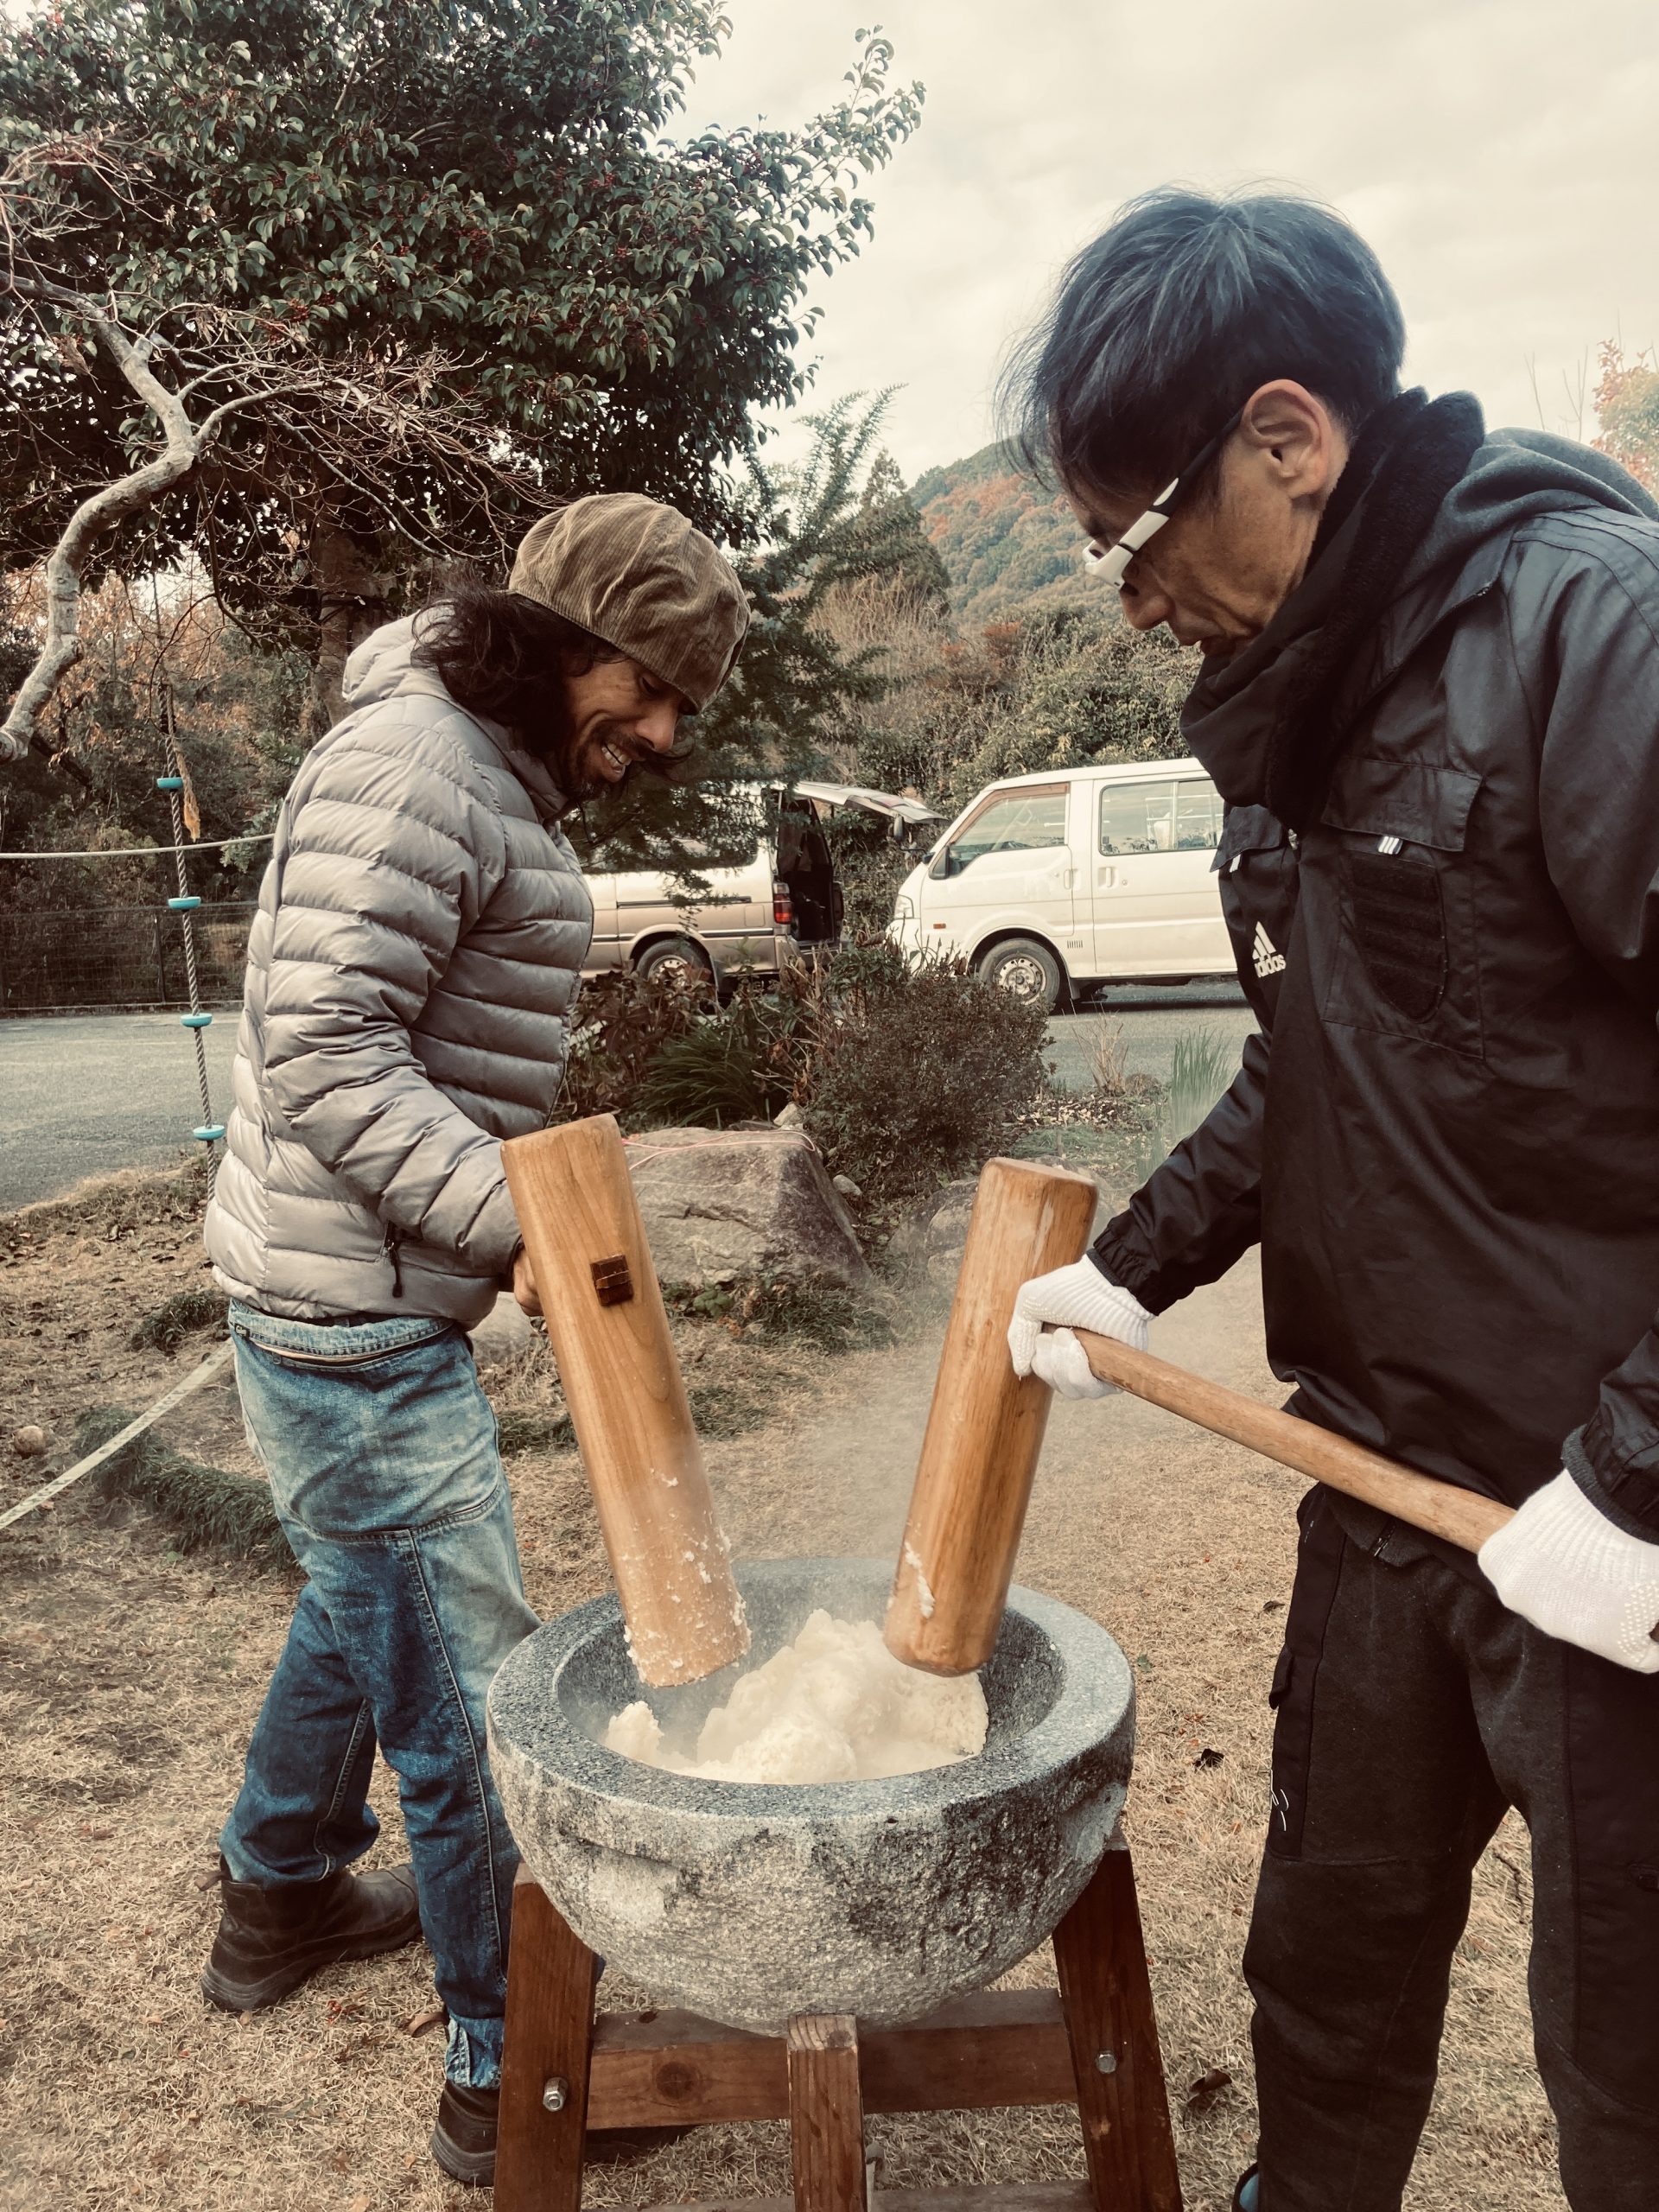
point(747, 1901)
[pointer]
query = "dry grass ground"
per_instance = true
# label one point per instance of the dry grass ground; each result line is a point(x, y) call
point(132, 1676)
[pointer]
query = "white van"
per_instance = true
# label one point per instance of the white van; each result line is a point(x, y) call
point(753, 919)
point(1052, 885)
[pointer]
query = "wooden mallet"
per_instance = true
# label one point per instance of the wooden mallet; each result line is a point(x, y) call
point(986, 1429)
point(608, 1329)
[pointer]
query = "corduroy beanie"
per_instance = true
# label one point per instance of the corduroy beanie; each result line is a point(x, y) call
point(634, 572)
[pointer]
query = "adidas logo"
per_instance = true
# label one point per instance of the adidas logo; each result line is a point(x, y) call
point(1269, 961)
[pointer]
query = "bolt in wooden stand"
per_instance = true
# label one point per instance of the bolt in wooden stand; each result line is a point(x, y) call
point(1094, 2044)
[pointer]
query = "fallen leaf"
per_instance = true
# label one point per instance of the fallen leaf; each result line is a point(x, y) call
point(1202, 2093)
point(1209, 1757)
point(418, 2023)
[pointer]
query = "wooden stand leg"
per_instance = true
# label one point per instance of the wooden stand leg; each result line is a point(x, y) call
point(1107, 2000)
point(826, 2113)
point(549, 2032)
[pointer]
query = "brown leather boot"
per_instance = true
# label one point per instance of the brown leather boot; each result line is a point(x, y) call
point(272, 1939)
point(463, 2141)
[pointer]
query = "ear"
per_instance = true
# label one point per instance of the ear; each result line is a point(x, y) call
point(1293, 436)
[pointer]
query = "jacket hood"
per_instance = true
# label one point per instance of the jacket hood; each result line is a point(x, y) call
point(1514, 475)
point(1233, 709)
point(384, 664)
point(376, 668)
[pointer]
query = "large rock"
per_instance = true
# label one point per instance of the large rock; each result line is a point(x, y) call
point(722, 1205)
point(929, 1245)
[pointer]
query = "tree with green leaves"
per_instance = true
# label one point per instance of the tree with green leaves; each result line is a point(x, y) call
point(461, 217)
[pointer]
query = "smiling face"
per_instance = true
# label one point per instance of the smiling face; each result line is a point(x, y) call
point(1232, 555)
point(616, 714)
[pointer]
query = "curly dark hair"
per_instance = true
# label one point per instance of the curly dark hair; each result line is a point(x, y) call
point(500, 654)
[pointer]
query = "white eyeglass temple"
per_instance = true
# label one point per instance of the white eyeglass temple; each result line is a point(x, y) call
point(1111, 565)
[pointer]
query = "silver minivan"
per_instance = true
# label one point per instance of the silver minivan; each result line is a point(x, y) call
point(783, 903)
point(1053, 884)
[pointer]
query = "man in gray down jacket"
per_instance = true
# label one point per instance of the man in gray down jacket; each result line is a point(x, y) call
point(1430, 698)
point(421, 928)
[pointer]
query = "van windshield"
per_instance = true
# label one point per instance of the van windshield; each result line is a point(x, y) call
point(1021, 822)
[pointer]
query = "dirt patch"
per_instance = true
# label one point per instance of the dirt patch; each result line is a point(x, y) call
point(130, 1678)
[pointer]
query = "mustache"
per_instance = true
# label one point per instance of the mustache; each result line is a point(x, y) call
point(646, 759)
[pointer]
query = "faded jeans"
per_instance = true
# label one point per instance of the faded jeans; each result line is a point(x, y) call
point(381, 1450)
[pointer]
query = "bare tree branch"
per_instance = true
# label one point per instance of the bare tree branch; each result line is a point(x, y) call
point(183, 443)
point(380, 427)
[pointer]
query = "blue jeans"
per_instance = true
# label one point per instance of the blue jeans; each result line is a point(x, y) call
point(384, 1474)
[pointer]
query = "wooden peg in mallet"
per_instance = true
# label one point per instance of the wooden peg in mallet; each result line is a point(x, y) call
point(609, 1328)
point(986, 1427)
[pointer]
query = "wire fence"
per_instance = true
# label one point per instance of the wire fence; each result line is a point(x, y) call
point(53, 961)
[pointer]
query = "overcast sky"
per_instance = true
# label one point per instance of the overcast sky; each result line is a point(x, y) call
point(1502, 156)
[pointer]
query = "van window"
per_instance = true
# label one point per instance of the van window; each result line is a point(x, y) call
point(1180, 816)
point(1198, 815)
point(1019, 822)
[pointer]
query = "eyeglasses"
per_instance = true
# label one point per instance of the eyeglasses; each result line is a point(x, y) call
point(1111, 562)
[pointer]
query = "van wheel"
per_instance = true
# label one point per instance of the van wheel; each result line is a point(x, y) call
point(676, 960)
point(1027, 971)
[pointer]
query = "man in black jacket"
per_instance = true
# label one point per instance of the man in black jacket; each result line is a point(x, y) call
point(1430, 697)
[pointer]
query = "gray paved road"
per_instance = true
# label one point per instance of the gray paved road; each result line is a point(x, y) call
point(1147, 1026)
point(85, 1094)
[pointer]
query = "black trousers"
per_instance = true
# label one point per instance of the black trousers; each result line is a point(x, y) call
point(1412, 1709)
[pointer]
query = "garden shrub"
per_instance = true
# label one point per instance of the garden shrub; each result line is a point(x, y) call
point(918, 1073)
point(906, 1075)
point(736, 1063)
point(622, 1022)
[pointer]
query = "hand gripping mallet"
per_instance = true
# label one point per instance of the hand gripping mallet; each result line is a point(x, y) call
point(986, 1428)
point(608, 1329)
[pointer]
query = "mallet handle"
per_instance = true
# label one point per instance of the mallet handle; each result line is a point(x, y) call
point(1462, 1517)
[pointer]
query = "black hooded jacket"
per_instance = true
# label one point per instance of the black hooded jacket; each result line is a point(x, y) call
point(1446, 1137)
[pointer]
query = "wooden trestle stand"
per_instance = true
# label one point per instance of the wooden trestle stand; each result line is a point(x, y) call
point(1094, 2044)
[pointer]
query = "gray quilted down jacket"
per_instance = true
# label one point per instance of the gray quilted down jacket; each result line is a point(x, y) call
point(420, 931)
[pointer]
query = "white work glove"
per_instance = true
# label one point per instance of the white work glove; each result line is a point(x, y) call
point(1078, 1297)
point(1562, 1565)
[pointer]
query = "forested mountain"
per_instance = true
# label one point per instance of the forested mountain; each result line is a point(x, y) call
point(1009, 545)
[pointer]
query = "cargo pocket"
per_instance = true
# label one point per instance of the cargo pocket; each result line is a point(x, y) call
point(1391, 844)
point(1319, 1569)
point(1400, 924)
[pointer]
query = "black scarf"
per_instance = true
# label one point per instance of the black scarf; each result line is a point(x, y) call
point(1404, 462)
